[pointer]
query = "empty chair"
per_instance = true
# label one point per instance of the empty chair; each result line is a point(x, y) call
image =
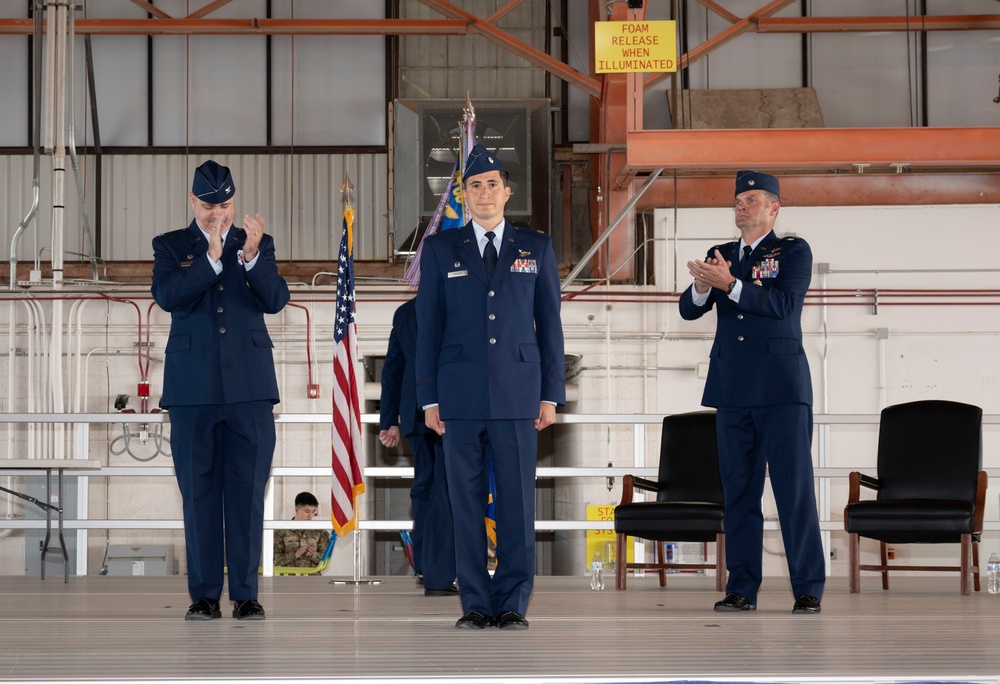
point(930, 486)
point(688, 505)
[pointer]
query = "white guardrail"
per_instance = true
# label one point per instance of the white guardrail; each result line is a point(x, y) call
point(823, 473)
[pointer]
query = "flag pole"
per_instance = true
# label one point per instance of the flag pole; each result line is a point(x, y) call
point(344, 335)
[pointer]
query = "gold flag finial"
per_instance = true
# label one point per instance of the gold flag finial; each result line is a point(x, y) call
point(346, 187)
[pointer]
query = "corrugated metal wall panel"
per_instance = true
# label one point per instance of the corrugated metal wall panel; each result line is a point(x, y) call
point(16, 174)
point(458, 65)
point(144, 195)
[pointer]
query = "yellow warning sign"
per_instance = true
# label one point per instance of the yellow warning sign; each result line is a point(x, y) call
point(640, 46)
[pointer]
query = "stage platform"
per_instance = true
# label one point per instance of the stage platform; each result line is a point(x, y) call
point(132, 629)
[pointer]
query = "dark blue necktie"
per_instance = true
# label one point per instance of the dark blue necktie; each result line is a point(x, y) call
point(490, 256)
point(745, 261)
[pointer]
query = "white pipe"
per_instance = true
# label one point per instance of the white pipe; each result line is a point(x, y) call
point(71, 337)
point(30, 380)
point(79, 353)
point(11, 373)
point(50, 66)
point(55, 365)
point(59, 153)
point(881, 373)
point(826, 350)
point(74, 162)
point(56, 371)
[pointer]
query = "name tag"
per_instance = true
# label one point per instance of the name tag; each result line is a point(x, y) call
point(457, 274)
point(185, 264)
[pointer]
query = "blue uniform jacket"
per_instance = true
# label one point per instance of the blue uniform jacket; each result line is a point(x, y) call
point(219, 351)
point(757, 357)
point(398, 404)
point(490, 352)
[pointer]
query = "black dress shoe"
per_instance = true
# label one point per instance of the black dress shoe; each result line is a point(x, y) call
point(734, 603)
point(806, 604)
point(475, 620)
point(450, 591)
point(203, 609)
point(511, 620)
point(248, 610)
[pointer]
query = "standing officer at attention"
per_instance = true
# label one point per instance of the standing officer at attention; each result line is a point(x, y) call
point(758, 378)
point(433, 533)
point(217, 281)
point(490, 368)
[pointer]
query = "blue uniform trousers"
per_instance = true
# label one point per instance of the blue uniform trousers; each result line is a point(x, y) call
point(776, 438)
point(515, 450)
point(433, 533)
point(222, 458)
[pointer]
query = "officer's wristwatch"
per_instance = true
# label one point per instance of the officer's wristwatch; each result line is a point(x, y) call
point(729, 290)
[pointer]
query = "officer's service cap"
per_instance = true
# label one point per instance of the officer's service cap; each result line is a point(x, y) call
point(755, 180)
point(213, 183)
point(482, 160)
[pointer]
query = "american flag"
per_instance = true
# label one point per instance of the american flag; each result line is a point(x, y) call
point(347, 484)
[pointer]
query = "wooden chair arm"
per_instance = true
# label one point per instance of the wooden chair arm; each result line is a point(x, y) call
point(645, 485)
point(856, 481)
point(630, 483)
point(980, 501)
point(626, 490)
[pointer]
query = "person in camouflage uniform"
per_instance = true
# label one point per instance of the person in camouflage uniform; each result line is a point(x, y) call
point(301, 548)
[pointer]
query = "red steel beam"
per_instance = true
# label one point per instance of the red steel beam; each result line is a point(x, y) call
point(149, 7)
point(969, 22)
point(208, 9)
point(251, 26)
point(721, 11)
point(831, 190)
point(813, 148)
point(509, 7)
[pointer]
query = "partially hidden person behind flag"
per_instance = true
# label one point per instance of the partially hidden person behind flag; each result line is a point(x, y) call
point(217, 281)
point(433, 537)
point(301, 548)
point(490, 373)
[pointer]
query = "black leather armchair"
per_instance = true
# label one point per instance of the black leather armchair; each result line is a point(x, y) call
point(688, 505)
point(931, 488)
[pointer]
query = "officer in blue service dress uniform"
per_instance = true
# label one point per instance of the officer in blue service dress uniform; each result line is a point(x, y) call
point(433, 534)
point(490, 367)
point(217, 281)
point(758, 378)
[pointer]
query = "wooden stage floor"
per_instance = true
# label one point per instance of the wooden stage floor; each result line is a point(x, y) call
point(131, 629)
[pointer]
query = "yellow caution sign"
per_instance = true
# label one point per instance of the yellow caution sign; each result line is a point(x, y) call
point(604, 541)
point(635, 46)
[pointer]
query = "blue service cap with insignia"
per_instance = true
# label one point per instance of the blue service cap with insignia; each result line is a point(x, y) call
point(213, 183)
point(482, 160)
point(755, 180)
